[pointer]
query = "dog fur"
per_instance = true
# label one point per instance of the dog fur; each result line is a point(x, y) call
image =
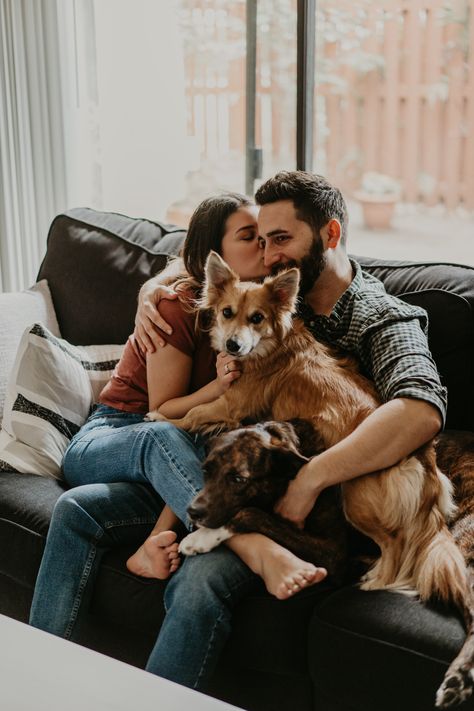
point(288, 374)
point(246, 472)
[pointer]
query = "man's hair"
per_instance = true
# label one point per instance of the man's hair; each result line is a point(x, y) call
point(316, 201)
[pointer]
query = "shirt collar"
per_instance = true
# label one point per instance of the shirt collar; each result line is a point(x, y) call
point(306, 312)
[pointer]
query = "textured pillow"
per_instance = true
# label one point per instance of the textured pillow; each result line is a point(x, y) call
point(17, 311)
point(49, 395)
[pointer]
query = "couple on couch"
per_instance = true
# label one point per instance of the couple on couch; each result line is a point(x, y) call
point(121, 467)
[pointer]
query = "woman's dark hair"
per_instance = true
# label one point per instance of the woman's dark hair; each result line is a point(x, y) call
point(206, 230)
point(316, 201)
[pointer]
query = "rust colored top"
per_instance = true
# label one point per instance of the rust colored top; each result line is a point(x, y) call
point(127, 389)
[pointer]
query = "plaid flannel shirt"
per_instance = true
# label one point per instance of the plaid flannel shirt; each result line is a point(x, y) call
point(387, 336)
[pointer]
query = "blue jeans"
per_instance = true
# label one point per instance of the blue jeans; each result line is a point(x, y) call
point(112, 461)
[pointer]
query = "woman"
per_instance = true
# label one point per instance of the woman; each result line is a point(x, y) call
point(120, 464)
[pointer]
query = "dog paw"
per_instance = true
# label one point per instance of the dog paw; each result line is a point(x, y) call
point(203, 540)
point(155, 416)
point(456, 688)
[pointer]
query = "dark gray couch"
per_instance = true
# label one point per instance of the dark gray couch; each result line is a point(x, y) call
point(324, 650)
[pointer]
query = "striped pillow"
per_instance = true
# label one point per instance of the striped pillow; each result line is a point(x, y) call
point(51, 389)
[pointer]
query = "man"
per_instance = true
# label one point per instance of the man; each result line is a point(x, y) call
point(303, 222)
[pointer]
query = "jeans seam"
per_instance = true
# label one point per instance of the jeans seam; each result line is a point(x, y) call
point(173, 463)
point(129, 522)
point(227, 596)
point(82, 585)
point(208, 650)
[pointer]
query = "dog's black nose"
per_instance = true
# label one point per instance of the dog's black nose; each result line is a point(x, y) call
point(232, 346)
point(196, 512)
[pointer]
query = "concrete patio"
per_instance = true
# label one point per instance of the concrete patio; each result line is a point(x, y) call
point(418, 233)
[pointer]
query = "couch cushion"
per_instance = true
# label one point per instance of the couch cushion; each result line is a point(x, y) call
point(95, 264)
point(50, 392)
point(446, 291)
point(17, 311)
point(382, 650)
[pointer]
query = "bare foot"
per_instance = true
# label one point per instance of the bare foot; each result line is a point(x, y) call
point(283, 573)
point(157, 558)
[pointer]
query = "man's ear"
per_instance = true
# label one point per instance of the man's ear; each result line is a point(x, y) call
point(218, 273)
point(283, 288)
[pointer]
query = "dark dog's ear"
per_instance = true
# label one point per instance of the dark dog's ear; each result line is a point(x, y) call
point(285, 445)
point(287, 461)
point(283, 288)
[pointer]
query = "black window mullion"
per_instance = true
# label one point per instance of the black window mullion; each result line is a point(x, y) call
point(305, 83)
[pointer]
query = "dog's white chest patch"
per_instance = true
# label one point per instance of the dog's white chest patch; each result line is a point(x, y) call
point(204, 540)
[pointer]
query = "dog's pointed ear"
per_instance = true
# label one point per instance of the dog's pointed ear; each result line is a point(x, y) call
point(218, 273)
point(284, 288)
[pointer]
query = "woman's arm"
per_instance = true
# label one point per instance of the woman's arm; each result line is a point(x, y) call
point(169, 375)
point(148, 321)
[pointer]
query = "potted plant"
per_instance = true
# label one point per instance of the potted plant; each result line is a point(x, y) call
point(378, 194)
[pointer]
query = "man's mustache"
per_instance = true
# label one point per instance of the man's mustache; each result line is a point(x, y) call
point(283, 266)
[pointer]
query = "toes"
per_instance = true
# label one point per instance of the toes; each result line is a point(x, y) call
point(166, 538)
point(319, 574)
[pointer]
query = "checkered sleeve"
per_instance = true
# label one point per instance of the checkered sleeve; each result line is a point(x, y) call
point(396, 353)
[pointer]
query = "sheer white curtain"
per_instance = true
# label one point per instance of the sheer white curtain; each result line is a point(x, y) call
point(32, 172)
point(92, 113)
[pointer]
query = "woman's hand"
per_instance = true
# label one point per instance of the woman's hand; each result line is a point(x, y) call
point(228, 370)
point(148, 321)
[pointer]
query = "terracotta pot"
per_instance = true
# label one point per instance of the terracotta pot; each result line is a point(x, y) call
point(377, 209)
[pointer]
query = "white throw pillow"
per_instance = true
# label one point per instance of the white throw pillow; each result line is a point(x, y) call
point(17, 311)
point(51, 389)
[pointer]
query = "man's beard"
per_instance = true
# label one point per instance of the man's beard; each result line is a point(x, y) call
point(310, 266)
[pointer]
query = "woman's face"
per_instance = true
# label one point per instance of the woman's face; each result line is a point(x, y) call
point(241, 247)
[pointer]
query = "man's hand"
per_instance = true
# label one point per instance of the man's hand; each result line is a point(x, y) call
point(148, 321)
point(300, 496)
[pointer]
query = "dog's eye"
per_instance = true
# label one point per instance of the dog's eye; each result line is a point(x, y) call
point(239, 479)
point(257, 317)
point(227, 312)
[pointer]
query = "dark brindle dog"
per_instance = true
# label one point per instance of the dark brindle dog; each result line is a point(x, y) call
point(248, 470)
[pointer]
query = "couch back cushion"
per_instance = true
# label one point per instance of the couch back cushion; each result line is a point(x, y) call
point(446, 291)
point(95, 264)
point(97, 261)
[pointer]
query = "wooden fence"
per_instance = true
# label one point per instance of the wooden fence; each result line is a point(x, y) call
point(394, 91)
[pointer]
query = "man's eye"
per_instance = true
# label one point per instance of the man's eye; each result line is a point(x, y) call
point(257, 317)
point(281, 238)
point(227, 312)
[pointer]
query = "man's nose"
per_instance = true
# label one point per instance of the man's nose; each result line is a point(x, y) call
point(271, 257)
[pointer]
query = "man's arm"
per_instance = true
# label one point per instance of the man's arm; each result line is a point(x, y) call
point(393, 431)
point(148, 321)
point(395, 350)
